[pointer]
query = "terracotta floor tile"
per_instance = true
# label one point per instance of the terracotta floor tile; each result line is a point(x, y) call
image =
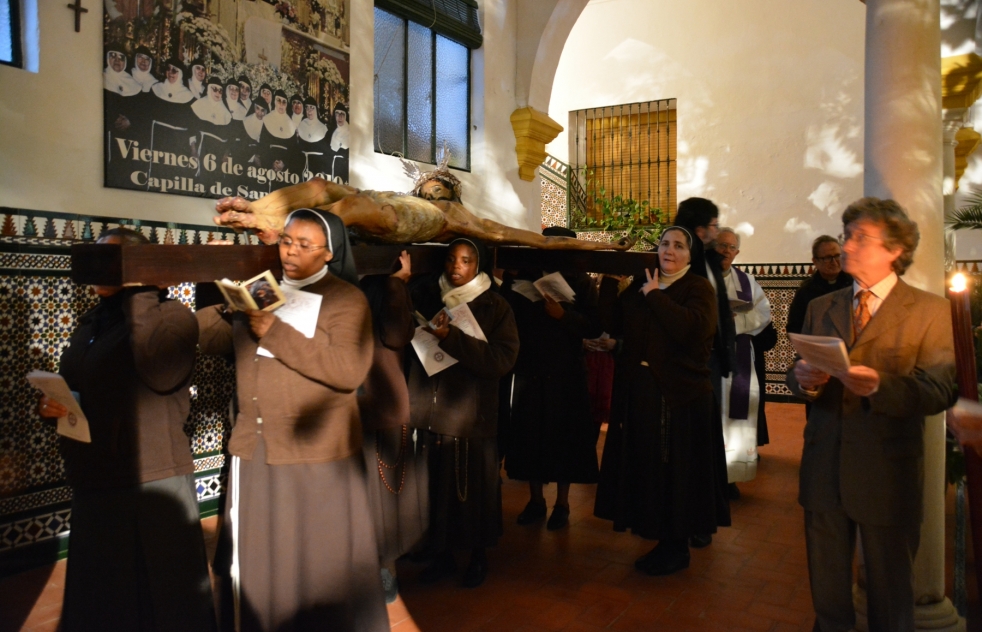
point(582, 579)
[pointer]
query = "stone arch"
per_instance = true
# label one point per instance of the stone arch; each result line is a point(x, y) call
point(543, 27)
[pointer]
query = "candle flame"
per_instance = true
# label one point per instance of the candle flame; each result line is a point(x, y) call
point(958, 283)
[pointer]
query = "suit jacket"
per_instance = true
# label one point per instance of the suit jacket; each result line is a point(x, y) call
point(866, 454)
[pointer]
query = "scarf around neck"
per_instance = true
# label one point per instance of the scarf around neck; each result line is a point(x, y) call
point(296, 284)
point(454, 296)
point(664, 280)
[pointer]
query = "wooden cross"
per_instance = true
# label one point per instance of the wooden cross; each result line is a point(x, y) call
point(77, 8)
point(156, 264)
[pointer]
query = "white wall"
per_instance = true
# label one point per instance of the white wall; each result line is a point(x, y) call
point(51, 127)
point(770, 104)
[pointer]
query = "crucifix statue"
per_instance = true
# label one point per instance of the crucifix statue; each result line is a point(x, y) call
point(79, 10)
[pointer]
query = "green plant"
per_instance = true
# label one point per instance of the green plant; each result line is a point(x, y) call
point(635, 218)
point(968, 216)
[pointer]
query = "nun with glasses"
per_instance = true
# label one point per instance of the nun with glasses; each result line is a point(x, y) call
point(455, 411)
point(245, 92)
point(142, 68)
point(297, 549)
point(118, 88)
point(278, 143)
point(340, 141)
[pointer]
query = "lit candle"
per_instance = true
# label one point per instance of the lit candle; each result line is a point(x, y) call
point(961, 322)
point(968, 387)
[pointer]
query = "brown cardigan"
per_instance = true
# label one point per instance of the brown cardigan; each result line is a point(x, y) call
point(671, 330)
point(130, 360)
point(462, 401)
point(305, 396)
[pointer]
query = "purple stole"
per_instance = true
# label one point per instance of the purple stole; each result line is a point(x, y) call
point(740, 385)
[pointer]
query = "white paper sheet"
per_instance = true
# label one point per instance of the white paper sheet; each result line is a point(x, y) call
point(826, 353)
point(526, 289)
point(74, 425)
point(427, 346)
point(555, 286)
point(428, 349)
point(300, 312)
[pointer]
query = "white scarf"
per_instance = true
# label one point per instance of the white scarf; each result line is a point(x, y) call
point(237, 110)
point(213, 111)
point(340, 138)
point(121, 83)
point(253, 126)
point(311, 130)
point(175, 92)
point(145, 79)
point(197, 88)
point(279, 125)
point(664, 280)
point(454, 296)
point(296, 284)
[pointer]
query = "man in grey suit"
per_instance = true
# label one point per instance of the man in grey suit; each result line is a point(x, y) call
point(863, 459)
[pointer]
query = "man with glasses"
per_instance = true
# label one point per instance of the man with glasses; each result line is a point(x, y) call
point(742, 404)
point(862, 467)
point(828, 277)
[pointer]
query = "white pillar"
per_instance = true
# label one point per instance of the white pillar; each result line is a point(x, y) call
point(903, 161)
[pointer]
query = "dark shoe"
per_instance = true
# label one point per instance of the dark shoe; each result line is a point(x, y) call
point(476, 573)
point(732, 491)
point(643, 562)
point(532, 513)
point(700, 541)
point(558, 519)
point(443, 565)
point(390, 586)
point(667, 563)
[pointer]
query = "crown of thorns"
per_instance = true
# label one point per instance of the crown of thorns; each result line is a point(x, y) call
point(441, 174)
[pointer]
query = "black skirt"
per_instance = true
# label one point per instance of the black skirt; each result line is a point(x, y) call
point(552, 436)
point(397, 489)
point(663, 473)
point(136, 560)
point(465, 492)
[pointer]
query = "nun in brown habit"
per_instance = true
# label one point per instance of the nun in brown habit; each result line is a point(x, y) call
point(297, 549)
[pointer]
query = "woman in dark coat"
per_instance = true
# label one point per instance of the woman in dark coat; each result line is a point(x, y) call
point(396, 460)
point(297, 549)
point(663, 473)
point(552, 436)
point(456, 410)
point(136, 552)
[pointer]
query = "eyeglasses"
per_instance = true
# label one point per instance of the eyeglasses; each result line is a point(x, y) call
point(829, 259)
point(728, 247)
point(287, 243)
point(861, 239)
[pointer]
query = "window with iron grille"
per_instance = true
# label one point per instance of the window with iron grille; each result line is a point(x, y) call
point(422, 78)
point(11, 53)
point(623, 156)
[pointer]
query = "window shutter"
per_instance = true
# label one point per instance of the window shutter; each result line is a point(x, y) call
point(454, 19)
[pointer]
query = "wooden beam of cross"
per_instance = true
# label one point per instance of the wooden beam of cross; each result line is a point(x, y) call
point(156, 264)
point(79, 10)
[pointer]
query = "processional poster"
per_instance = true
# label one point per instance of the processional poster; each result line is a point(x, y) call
point(213, 98)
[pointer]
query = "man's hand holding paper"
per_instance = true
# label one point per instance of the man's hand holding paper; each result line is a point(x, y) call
point(825, 356)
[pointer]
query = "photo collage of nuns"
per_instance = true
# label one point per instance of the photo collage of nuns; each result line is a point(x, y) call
point(240, 98)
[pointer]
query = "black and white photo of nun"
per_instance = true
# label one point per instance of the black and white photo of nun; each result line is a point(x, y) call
point(253, 122)
point(296, 109)
point(313, 143)
point(211, 107)
point(232, 104)
point(196, 82)
point(172, 88)
point(115, 79)
point(245, 93)
point(143, 68)
point(340, 140)
point(279, 148)
point(266, 94)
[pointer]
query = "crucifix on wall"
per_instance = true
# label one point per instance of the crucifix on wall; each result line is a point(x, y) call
point(79, 10)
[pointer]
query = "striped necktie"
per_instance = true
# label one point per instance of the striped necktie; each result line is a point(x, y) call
point(861, 315)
